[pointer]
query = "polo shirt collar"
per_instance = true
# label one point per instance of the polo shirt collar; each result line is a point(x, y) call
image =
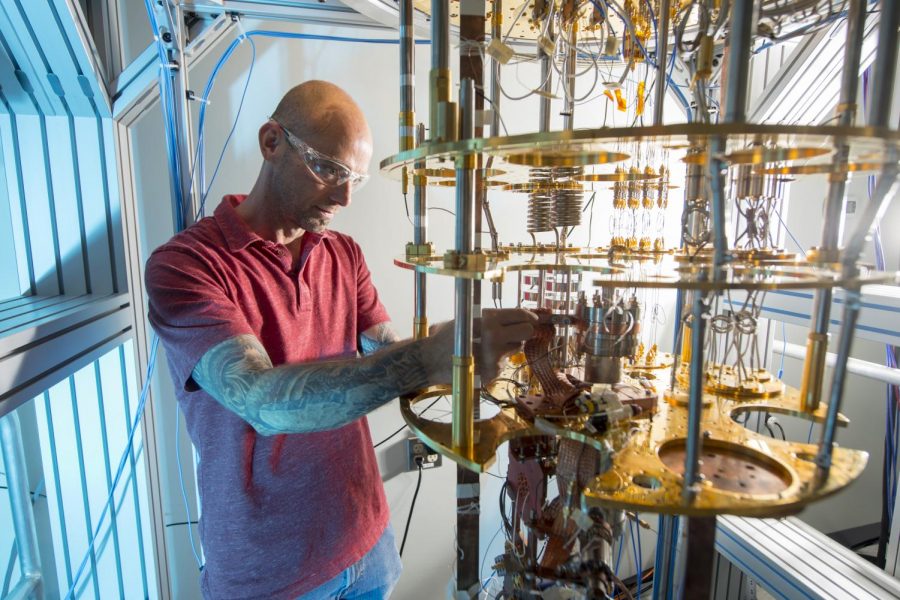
point(236, 232)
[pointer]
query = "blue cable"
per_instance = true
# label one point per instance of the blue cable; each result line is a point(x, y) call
point(638, 563)
point(151, 365)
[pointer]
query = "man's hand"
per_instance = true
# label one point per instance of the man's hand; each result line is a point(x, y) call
point(501, 332)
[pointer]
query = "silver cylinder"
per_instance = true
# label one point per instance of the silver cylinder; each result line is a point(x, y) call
point(693, 440)
point(20, 504)
point(738, 77)
point(662, 50)
point(440, 34)
point(885, 69)
point(465, 220)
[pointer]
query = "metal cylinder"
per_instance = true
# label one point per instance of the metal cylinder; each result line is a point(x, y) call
point(420, 238)
point(463, 429)
point(20, 506)
point(546, 88)
point(569, 112)
point(838, 382)
point(407, 117)
point(738, 75)
point(662, 51)
point(443, 115)
point(885, 68)
point(693, 440)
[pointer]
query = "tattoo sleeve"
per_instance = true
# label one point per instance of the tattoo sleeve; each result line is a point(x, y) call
point(310, 396)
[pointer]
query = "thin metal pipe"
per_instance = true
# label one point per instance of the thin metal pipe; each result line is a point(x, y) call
point(20, 506)
point(442, 113)
point(496, 34)
point(852, 305)
point(662, 51)
point(885, 68)
point(693, 441)
point(420, 238)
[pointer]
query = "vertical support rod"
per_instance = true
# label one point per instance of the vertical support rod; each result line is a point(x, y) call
point(738, 76)
point(464, 400)
point(569, 113)
point(817, 340)
point(471, 72)
point(547, 87)
point(420, 239)
point(407, 118)
point(20, 507)
point(442, 113)
point(693, 441)
point(463, 364)
point(662, 52)
point(183, 121)
point(885, 68)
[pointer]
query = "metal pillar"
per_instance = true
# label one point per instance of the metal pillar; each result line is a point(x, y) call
point(464, 399)
point(443, 113)
point(30, 586)
point(662, 51)
point(420, 239)
point(176, 112)
point(817, 340)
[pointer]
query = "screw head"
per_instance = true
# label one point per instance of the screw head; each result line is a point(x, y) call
point(167, 37)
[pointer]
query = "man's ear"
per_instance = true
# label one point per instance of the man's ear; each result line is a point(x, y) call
point(269, 139)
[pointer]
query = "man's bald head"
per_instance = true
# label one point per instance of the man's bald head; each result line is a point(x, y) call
point(318, 110)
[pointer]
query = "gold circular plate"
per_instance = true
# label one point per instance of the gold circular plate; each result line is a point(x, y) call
point(762, 154)
point(821, 169)
point(729, 467)
point(564, 158)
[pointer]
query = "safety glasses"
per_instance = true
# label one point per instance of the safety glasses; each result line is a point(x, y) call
point(326, 169)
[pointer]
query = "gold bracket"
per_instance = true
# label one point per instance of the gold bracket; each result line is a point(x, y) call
point(419, 250)
point(476, 261)
point(420, 328)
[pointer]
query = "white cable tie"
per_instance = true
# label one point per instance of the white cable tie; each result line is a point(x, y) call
point(469, 509)
point(467, 490)
point(242, 33)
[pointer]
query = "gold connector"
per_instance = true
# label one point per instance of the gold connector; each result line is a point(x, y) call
point(420, 328)
point(813, 372)
point(686, 334)
point(419, 250)
point(476, 261)
point(464, 406)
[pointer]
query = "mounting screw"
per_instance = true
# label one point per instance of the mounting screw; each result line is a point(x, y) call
point(167, 37)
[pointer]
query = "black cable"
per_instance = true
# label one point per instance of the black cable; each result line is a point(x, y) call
point(412, 506)
point(405, 426)
point(182, 523)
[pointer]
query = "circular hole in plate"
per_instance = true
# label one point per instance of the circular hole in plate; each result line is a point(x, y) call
point(645, 481)
point(725, 465)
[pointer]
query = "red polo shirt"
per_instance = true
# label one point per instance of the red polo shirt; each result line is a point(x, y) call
point(280, 514)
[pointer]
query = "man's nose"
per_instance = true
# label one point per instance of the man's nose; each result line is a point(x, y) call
point(341, 194)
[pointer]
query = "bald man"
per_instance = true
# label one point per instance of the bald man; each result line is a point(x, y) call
point(279, 347)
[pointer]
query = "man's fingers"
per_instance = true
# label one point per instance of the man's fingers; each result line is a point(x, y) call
point(509, 316)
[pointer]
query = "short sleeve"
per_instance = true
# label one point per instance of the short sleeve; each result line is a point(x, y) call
point(189, 309)
point(369, 310)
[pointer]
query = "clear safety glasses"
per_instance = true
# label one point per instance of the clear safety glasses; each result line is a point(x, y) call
point(327, 170)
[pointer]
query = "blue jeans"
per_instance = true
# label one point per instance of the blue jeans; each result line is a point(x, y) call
point(372, 577)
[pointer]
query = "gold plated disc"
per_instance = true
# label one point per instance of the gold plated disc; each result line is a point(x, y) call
point(564, 158)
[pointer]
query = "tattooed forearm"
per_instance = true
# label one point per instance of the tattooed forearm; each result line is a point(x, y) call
point(375, 338)
point(305, 397)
